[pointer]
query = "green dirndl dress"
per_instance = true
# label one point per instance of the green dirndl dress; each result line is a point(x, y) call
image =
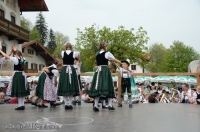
point(102, 83)
point(17, 86)
point(40, 85)
point(68, 82)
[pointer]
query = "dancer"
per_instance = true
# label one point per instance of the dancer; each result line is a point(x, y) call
point(125, 82)
point(18, 86)
point(77, 66)
point(68, 81)
point(102, 83)
point(47, 85)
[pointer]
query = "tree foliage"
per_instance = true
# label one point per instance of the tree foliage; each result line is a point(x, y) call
point(34, 34)
point(42, 28)
point(122, 43)
point(179, 56)
point(26, 23)
point(158, 54)
point(60, 40)
point(51, 46)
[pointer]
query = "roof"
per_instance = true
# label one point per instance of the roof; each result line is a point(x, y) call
point(40, 50)
point(32, 5)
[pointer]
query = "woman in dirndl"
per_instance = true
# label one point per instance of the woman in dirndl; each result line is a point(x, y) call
point(68, 86)
point(18, 86)
point(102, 83)
point(47, 85)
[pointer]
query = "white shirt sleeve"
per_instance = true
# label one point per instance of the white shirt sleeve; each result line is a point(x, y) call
point(15, 60)
point(62, 54)
point(109, 55)
point(55, 72)
point(75, 54)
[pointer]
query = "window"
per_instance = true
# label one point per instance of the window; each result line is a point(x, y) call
point(30, 51)
point(133, 67)
point(2, 13)
point(12, 19)
point(40, 67)
point(4, 49)
point(23, 50)
point(34, 66)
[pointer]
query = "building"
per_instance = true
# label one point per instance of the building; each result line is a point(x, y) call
point(11, 31)
point(137, 68)
point(37, 56)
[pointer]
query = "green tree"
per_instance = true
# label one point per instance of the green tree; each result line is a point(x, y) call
point(158, 53)
point(51, 46)
point(42, 28)
point(124, 44)
point(61, 40)
point(179, 56)
point(26, 23)
point(34, 34)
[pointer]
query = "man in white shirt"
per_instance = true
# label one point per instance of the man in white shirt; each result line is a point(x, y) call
point(186, 94)
point(167, 98)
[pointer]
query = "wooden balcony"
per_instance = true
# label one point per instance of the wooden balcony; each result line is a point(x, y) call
point(13, 31)
point(31, 71)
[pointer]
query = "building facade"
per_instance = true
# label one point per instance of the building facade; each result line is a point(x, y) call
point(11, 32)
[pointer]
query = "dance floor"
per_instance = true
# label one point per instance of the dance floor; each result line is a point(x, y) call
point(141, 118)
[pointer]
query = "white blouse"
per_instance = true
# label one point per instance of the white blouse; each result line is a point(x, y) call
point(55, 72)
point(75, 54)
point(108, 55)
point(125, 73)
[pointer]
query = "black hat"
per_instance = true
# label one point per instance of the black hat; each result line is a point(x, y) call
point(156, 93)
point(126, 62)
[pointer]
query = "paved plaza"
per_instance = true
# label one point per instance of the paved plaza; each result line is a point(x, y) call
point(141, 118)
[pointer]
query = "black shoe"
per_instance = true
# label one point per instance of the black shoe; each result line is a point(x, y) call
point(23, 107)
point(111, 108)
point(66, 107)
point(42, 106)
point(95, 109)
point(130, 106)
point(70, 107)
point(119, 105)
point(20, 108)
point(33, 104)
point(104, 107)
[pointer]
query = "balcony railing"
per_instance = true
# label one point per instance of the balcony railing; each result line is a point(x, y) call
point(13, 31)
point(31, 71)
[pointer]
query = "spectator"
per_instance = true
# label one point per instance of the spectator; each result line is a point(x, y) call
point(2, 98)
point(186, 95)
point(152, 98)
point(197, 96)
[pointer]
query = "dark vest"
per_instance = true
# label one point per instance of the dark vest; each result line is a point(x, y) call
point(18, 67)
point(101, 60)
point(50, 74)
point(68, 59)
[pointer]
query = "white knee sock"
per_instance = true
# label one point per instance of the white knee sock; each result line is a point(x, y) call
point(65, 98)
point(110, 102)
point(96, 102)
point(19, 101)
point(104, 103)
point(70, 99)
point(22, 101)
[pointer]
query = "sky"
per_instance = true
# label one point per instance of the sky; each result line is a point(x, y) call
point(164, 20)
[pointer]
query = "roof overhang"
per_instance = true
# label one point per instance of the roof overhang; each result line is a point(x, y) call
point(32, 5)
point(40, 50)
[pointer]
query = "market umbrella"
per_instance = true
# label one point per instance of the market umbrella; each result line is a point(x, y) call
point(165, 79)
point(185, 79)
point(4, 78)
